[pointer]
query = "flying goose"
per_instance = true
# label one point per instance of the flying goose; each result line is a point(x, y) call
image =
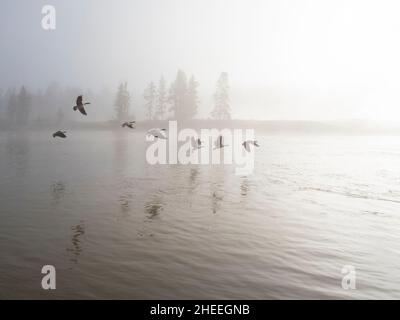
point(129, 124)
point(60, 134)
point(219, 143)
point(196, 143)
point(80, 104)
point(157, 133)
point(247, 144)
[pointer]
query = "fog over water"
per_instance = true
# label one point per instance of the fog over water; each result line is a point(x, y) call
point(316, 82)
point(315, 60)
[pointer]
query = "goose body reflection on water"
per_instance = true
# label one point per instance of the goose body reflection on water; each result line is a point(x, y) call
point(58, 190)
point(194, 172)
point(76, 246)
point(216, 201)
point(244, 187)
point(153, 208)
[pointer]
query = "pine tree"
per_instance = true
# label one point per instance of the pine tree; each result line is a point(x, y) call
point(161, 100)
point(177, 95)
point(50, 99)
point(12, 108)
point(192, 100)
point(122, 102)
point(222, 110)
point(24, 107)
point(149, 96)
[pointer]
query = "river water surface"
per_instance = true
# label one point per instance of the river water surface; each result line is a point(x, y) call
point(116, 227)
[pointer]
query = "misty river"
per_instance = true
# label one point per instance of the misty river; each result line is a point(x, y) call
point(116, 227)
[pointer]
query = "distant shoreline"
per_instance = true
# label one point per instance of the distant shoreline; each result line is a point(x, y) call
point(351, 127)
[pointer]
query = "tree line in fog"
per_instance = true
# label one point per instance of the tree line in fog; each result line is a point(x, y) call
point(160, 101)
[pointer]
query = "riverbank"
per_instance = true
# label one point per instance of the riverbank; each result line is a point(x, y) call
point(352, 127)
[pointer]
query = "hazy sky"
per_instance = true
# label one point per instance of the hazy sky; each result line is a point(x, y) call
point(287, 59)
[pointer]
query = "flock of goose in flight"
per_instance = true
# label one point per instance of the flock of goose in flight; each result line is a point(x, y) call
point(156, 132)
